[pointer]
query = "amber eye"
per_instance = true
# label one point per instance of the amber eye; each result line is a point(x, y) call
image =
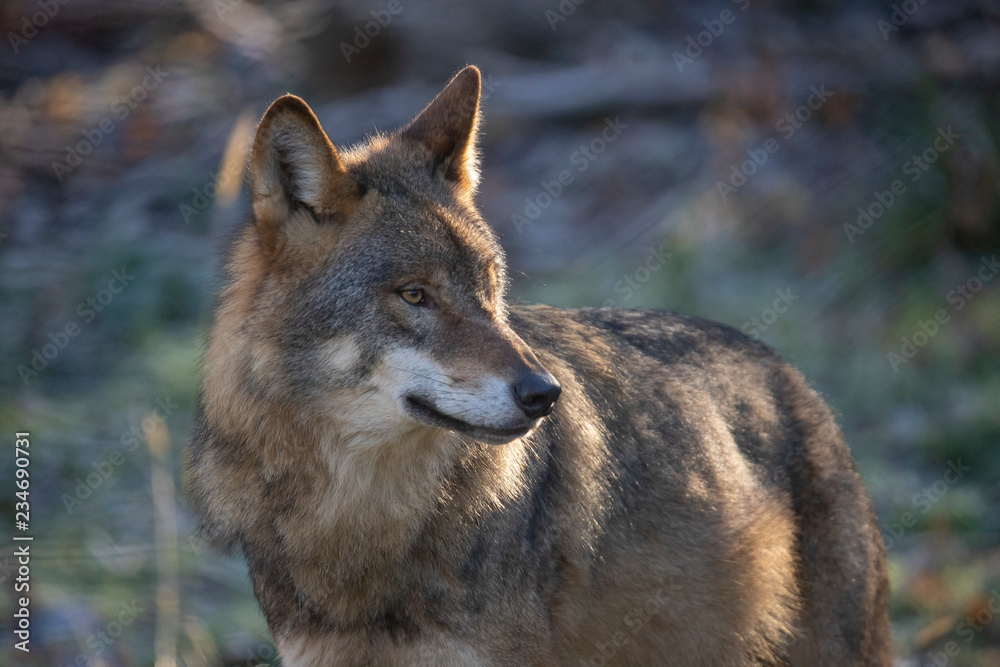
point(414, 297)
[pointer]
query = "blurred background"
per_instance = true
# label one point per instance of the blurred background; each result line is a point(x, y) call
point(823, 175)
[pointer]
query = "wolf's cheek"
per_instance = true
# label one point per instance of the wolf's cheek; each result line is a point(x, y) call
point(340, 355)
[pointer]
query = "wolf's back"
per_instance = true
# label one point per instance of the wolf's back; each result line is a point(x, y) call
point(724, 482)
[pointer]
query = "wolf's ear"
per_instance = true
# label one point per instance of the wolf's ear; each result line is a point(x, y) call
point(447, 128)
point(294, 164)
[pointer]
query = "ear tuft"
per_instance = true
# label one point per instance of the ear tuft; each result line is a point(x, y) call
point(447, 128)
point(294, 164)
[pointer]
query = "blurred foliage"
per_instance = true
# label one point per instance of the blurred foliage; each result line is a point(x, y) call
point(155, 193)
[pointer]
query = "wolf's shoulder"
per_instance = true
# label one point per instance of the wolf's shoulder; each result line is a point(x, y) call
point(664, 335)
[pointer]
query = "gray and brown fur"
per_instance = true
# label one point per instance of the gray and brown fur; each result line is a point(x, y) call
point(689, 501)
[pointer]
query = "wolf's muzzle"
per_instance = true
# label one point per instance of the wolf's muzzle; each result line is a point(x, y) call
point(535, 394)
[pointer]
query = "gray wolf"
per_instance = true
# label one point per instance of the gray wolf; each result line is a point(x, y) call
point(419, 473)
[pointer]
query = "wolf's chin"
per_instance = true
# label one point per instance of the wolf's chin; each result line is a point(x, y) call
point(422, 411)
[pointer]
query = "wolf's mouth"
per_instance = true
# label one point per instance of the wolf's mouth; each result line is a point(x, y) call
point(427, 413)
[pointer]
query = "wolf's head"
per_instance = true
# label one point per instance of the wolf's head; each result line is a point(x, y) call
point(369, 287)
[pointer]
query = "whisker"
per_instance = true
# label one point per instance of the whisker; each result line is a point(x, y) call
point(447, 383)
point(361, 400)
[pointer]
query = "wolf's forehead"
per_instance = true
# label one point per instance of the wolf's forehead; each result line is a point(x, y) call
point(428, 231)
point(418, 215)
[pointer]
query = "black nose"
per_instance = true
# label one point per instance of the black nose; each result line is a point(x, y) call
point(535, 393)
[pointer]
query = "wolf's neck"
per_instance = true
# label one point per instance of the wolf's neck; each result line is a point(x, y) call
point(376, 486)
point(361, 506)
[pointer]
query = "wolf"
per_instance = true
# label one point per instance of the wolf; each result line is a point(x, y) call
point(420, 473)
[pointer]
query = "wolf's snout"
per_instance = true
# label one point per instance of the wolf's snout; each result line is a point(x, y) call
point(535, 393)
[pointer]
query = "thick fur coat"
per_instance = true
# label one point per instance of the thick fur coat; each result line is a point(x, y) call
point(374, 436)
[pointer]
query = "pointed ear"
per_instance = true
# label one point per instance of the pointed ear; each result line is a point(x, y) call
point(294, 165)
point(447, 129)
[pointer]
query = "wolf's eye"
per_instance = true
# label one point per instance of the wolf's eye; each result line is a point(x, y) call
point(414, 297)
